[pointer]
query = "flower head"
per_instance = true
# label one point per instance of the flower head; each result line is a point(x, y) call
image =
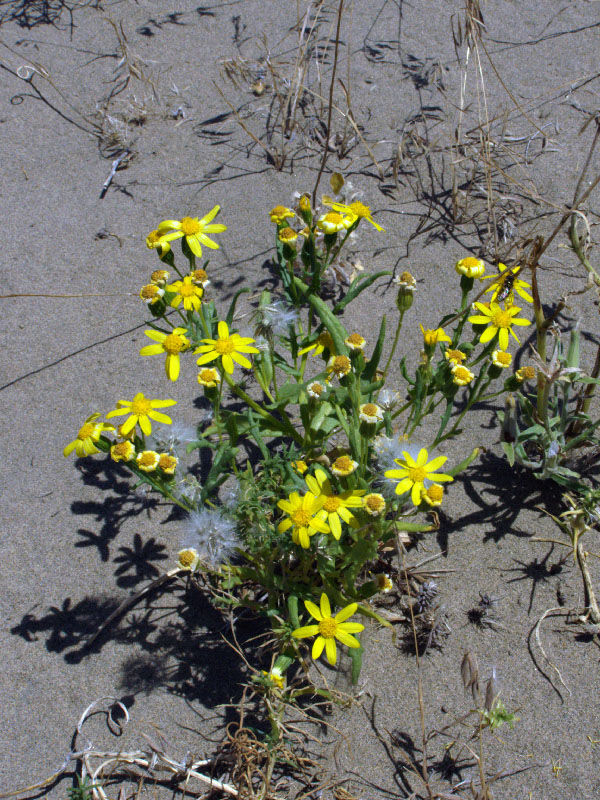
point(343, 466)
point(384, 584)
point(211, 535)
point(329, 628)
point(433, 495)
point(315, 390)
point(168, 463)
point(370, 413)
point(354, 211)
point(454, 357)
point(172, 344)
point(461, 376)
point(332, 222)
point(188, 559)
point(502, 359)
point(432, 337)
point(151, 293)
point(374, 504)
point(275, 676)
point(499, 321)
point(188, 292)
point(193, 229)
point(302, 518)
point(156, 241)
point(209, 377)
point(122, 451)
point(334, 506)
point(141, 411)
point(498, 287)
point(471, 267)
point(406, 281)
point(200, 277)
point(88, 434)
point(300, 466)
point(159, 277)
point(355, 343)
point(287, 235)
point(339, 366)
point(227, 347)
point(280, 213)
point(414, 474)
point(147, 460)
point(525, 374)
point(323, 342)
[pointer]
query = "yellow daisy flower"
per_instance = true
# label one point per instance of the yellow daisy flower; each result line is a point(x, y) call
point(155, 241)
point(334, 506)
point(159, 277)
point(525, 374)
point(413, 474)
point(151, 293)
point(343, 466)
point(200, 277)
point(142, 411)
point(461, 376)
point(275, 676)
point(455, 356)
point(506, 275)
point(338, 366)
point(193, 229)
point(88, 434)
point(287, 235)
point(355, 342)
point(434, 495)
point(188, 559)
point(122, 451)
point(471, 267)
point(209, 377)
point(323, 342)
point(227, 348)
point(315, 390)
point(302, 518)
point(147, 460)
point(332, 222)
point(432, 337)
point(500, 358)
point(329, 628)
point(280, 213)
point(172, 344)
point(300, 466)
point(384, 583)
point(188, 292)
point(355, 211)
point(168, 463)
point(374, 504)
point(499, 321)
point(370, 413)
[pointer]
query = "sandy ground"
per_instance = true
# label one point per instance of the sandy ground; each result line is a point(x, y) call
point(75, 541)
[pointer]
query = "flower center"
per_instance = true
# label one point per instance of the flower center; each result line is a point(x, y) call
point(86, 431)
point(344, 464)
point(200, 275)
point(462, 373)
point(141, 407)
point(288, 234)
point(187, 290)
point(316, 388)
point(501, 319)
point(327, 628)
point(174, 344)
point(300, 518)
point(332, 504)
point(167, 462)
point(186, 558)
point(334, 217)
point(435, 492)
point(455, 355)
point(122, 449)
point(374, 502)
point(225, 346)
point(469, 261)
point(356, 339)
point(370, 409)
point(417, 474)
point(190, 226)
point(341, 365)
point(207, 375)
point(360, 209)
point(149, 291)
point(504, 358)
point(147, 460)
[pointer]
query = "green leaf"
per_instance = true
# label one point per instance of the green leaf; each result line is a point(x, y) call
point(288, 393)
point(358, 286)
point(355, 654)
point(373, 363)
point(509, 451)
point(323, 410)
point(292, 604)
point(332, 323)
point(232, 305)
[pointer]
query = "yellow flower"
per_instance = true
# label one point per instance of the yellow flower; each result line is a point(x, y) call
point(88, 434)
point(280, 213)
point(168, 463)
point(227, 348)
point(334, 505)
point(287, 235)
point(432, 337)
point(384, 584)
point(406, 282)
point(172, 344)
point(323, 342)
point(274, 676)
point(354, 211)
point(370, 413)
point(188, 559)
point(200, 277)
point(502, 359)
point(188, 291)
point(301, 513)
point(343, 466)
point(455, 356)
point(329, 628)
point(159, 277)
point(499, 320)
point(209, 377)
point(374, 504)
point(413, 474)
point(156, 241)
point(122, 451)
point(434, 495)
point(194, 231)
point(471, 267)
point(461, 376)
point(525, 374)
point(142, 411)
point(315, 390)
point(355, 342)
point(151, 293)
point(300, 467)
point(332, 222)
point(504, 276)
point(147, 460)
point(339, 366)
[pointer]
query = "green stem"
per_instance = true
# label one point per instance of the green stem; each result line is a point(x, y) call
point(285, 426)
point(396, 338)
